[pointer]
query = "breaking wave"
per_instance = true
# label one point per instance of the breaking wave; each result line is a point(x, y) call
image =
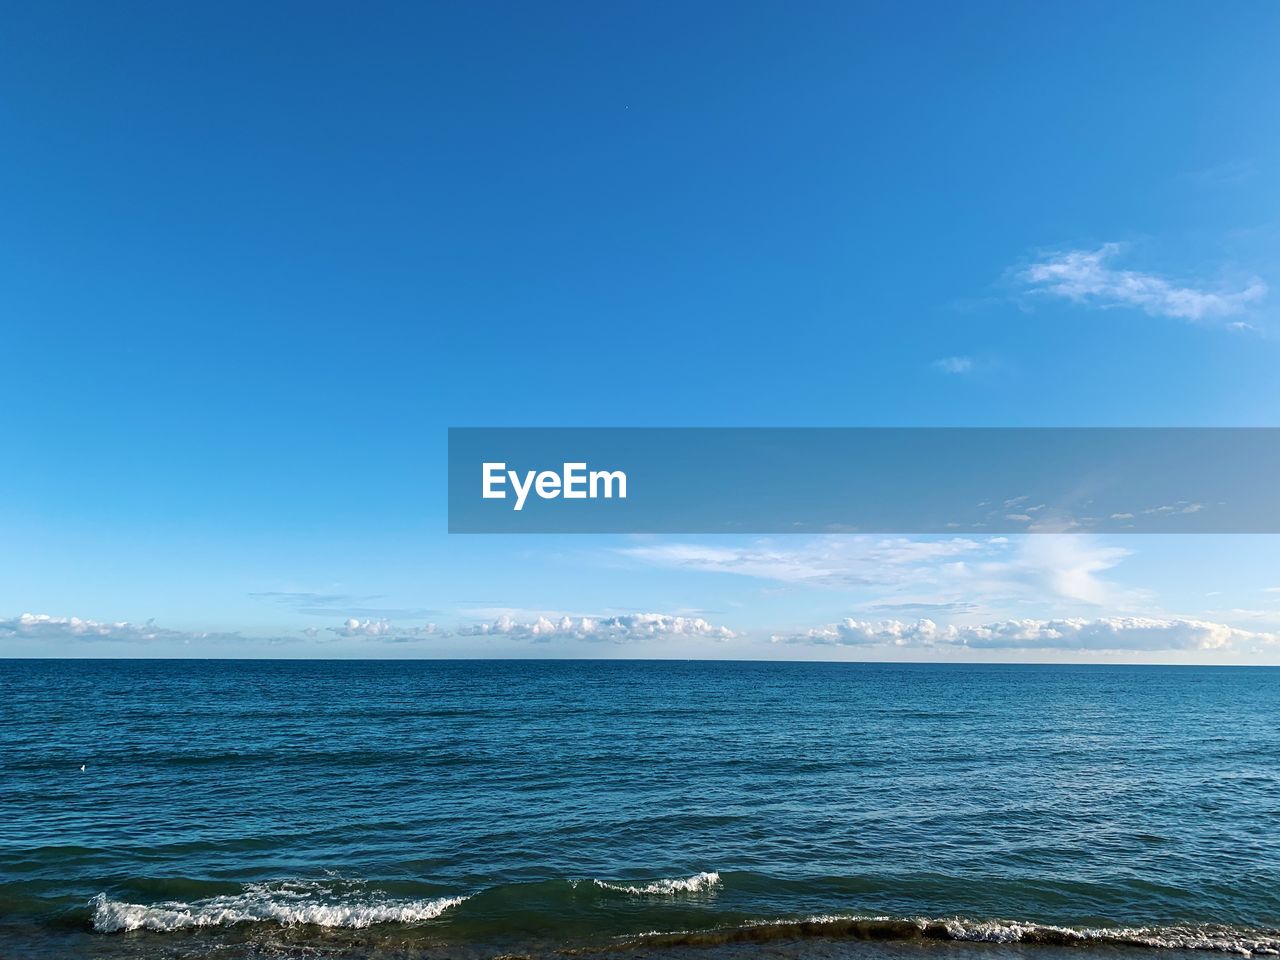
point(354, 905)
point(665, 888)
point(1220, 939)
point(287, 904)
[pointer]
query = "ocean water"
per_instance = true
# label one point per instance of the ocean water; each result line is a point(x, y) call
point(478, 809)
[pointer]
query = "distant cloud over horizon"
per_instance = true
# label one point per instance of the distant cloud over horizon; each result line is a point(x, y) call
point(1071, 634)
point(626, 628)
point(382, 629)
point(1119, 634)
point(43, 627)
point(1087, 277)
point(617, 629)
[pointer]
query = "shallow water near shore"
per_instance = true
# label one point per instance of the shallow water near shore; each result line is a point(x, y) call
point(476, 809)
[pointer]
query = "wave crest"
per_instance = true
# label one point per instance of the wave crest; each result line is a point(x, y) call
point(293, 904)
point(666, 887)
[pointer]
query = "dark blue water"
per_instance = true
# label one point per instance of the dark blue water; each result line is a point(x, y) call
point(459, 809)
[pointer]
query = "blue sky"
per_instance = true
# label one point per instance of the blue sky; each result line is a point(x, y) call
point(255, 261)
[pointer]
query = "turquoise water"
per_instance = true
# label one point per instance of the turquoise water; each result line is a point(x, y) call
point(474, 809)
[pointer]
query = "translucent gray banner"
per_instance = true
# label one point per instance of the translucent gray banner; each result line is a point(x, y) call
point(875, 480)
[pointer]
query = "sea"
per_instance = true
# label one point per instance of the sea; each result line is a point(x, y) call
point(478, 809)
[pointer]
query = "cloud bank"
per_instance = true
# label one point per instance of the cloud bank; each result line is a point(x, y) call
point(1081, 635)
point(1087, 277)
point(628, 628)
point(42, 627)
point(1102, 634)
point(381, 629)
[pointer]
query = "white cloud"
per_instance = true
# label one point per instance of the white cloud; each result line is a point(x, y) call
point(1107, 633)
point(620, 629)
point(1063, 634)
point(381, 629)
point(1086, 276)
point(957, 365)
point(1182, 506)
point(1069, 566)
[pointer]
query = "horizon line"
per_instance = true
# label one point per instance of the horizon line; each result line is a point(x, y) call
point(850, 663)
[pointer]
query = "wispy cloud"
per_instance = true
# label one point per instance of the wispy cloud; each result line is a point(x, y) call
point(314, 604)
point(956, 365)
point(1106, 633)
point(926, 609)
point(830, 560)
point(1088, 277)
point(1042, 567)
